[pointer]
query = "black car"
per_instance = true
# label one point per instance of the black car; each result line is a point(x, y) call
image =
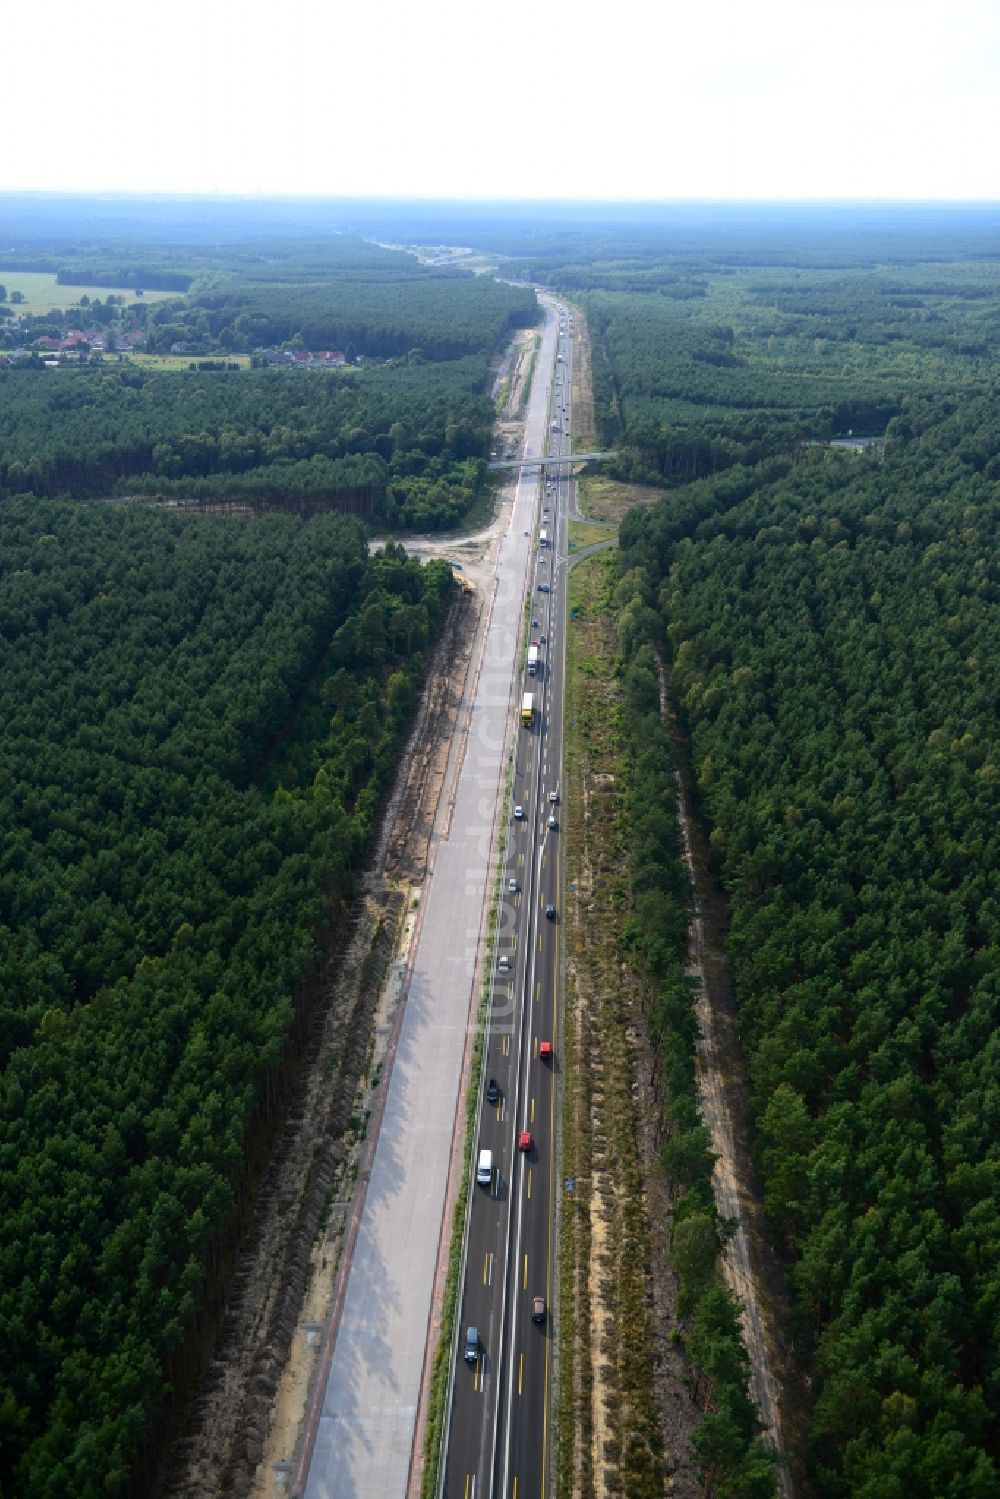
point(492, 1090)
point(550, 912)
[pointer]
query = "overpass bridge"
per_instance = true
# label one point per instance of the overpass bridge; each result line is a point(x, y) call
point(523, 463)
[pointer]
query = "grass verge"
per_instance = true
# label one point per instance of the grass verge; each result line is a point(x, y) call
point(579, 536)
point(608, 1438)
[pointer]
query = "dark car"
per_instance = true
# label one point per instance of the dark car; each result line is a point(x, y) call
point(492, 1090)
point(471, 1352)
point(550, 912)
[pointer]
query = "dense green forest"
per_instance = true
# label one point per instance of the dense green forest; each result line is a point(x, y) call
point(443, 314)
point(198, 719)
point(833, 627)
point(342, 293)
point(761, 359)
point(403, 446)
point(403, 442)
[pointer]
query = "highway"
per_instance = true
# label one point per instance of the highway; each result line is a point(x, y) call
point(498, 1433)
point(361, 1431)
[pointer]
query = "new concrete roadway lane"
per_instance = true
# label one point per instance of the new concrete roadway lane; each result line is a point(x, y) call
point(362, 1437)
point(498, 1430)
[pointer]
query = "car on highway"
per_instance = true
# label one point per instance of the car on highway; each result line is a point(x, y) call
point(492, 1091)
point(543, 588)
point(512, 887)
point(538, 1309)
point(545, 1051)
point(541, 639)
point(503, 963)
point(484, 1168)
point(553, 824)
point(525, 1141)
point(550, 913)
point(518, 813)
point(553, 796)
point(471, 1352)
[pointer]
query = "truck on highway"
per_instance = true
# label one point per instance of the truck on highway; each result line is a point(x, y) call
point(543, 538)
point(528, 709)
point(533, 654)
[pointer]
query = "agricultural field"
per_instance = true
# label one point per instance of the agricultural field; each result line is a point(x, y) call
point(167, 363)
point(42, 292)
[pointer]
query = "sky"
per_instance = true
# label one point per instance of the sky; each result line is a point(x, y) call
point(653, 99)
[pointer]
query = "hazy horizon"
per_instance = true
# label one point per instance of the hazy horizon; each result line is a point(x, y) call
point(866, 100)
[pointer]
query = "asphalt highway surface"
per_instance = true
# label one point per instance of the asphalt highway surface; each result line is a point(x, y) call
point(361, 1430)
point(499, 1426)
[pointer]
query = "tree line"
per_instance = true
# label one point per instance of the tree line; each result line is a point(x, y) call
point(406, 446)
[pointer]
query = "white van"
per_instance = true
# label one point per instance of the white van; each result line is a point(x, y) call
point(484, 1170)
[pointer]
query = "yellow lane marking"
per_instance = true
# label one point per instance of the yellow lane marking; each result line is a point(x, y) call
point(529, 1182)
point(524, 1287)
point(538, 991)
point(532, 1120)
point(468, 1480)
point(520, 1373)
point(505, 1045)
point(486, 1268)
